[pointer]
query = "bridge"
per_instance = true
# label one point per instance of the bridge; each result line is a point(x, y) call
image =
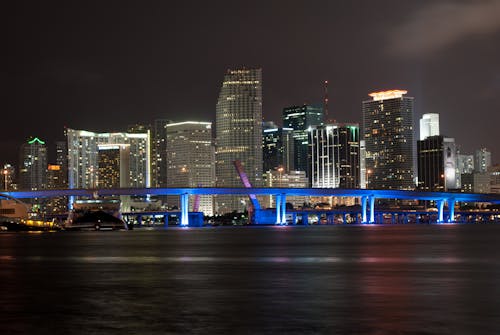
point(367, 196)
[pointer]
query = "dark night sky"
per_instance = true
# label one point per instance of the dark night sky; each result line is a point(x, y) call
point(104, 65)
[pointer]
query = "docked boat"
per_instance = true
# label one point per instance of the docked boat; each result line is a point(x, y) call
point(96, 215)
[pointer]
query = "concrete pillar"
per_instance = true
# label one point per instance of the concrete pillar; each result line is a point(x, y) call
point(363, 210)
point(440, 205)
point(451, 209)
point(184, 209)
point(283, 209)
point(165, 220)
point(372, 209)
point(278, 208)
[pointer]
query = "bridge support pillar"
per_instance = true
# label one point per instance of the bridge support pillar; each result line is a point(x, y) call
point(184, 209)
point(283, 209)
point(278, 208)
point(363, 209)
point(440, 205)
point(451, 209)
point(165, 220)
point(372, 209)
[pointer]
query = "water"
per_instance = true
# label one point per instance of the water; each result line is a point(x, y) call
point(405, 279)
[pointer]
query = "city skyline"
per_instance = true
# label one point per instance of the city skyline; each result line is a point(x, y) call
point(77, 66)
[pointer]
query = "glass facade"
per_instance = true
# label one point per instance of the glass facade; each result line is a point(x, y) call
point(388, 135)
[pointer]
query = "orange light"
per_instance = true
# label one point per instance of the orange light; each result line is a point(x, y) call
point(54, 167)
point(384, 95)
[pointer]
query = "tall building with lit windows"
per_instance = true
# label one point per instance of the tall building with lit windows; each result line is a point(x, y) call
point(301, 119)
point(437, 164)
point(83, 157)
point(33, 165)
point(190, 160)
point(239, 133)
point(388, 135)
point(334, 156)
point(277, 148)
point(113, 164)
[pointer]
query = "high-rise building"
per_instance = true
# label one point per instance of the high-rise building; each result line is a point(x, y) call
point(113, 164)
point(277, 148)
point(437, 164)
point(190, 159)
point(62, 161)
point(334, 156)
point(239, 133)
point(482, 160)
point(301, 119)
point(465, 163)
point(429, 125)
point(83, 149)
point(292, 179)
point(159, 153)
point(388, 134)
point(33, 165)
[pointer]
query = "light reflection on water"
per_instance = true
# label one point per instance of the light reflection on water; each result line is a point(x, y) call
point(315, 280)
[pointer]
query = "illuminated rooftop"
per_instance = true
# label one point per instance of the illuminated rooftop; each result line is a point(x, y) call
point(384, 95)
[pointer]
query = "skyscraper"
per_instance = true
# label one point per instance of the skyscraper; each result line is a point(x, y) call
point(159, 153)
point(429, 125)
point(334, 156)
point(300, 119)
point(239, 132)
point(33, 165)
point(388, 134)
point(113, 163)
point(190, 159)
point(437, 164)
point(62, 161)
point(277, 147)
point(482, 160)
point(83, 165)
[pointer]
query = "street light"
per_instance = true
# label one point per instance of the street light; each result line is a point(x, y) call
point(280, 171)
point(5, 174)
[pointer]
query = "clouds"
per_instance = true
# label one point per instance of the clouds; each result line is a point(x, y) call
point(442, 24)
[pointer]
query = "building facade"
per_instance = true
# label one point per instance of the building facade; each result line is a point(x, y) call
point(239, 133)
point(429, 125)
point(482, 160)
point(301, 119)
point(83, 154)
point(33, 165)
point(277, 149)
point(334, 156)
point(437, 164)
point(388, 135)
point(191, 161)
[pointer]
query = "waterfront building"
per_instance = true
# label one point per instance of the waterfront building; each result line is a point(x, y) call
point(301, 119)
point(437, 164)
point(113, 164)
point(56, 179)
point(191, 160)
point(62, 161)
point(334, 156)
point(388, 134)
point(476, 182)
point(295, 179)
point(482, 160)
point(33, 165)
point(429, 125)
point(363, 172)
point(277, 148)
point(465, 163)
point(239, 133)
point(159, 153)
point(83, 148)
point(495, 179)
point(7, 181)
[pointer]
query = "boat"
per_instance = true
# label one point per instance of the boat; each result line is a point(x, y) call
point(95, 214)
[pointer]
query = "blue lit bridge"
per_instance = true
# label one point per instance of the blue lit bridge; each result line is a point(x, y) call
point(278, 216)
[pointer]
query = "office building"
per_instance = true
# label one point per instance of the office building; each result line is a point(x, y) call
point(113, 164)
point(33, 165)
point(190, 161)
point(62, 161)
point(429, 125)
point(83, 164)
point(239, 133)
point(159, 153)
point(277, 148)
point(334, 156)
point(482, 160)
point(437, 164)
point(292, 179)
point(388, 135)
point(301, 119)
